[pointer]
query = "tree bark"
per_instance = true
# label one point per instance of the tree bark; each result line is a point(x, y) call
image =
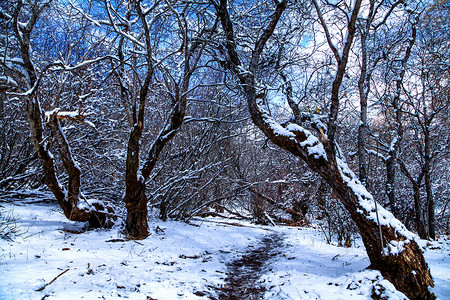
point(362, 128)
point(135, 200)
point(136, 224)
point(100, 215)
point(407, 270)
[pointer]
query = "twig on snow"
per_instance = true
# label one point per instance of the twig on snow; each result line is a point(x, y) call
point(47, 284)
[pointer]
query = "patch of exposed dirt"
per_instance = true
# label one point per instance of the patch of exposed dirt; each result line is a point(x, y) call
point(243, 274)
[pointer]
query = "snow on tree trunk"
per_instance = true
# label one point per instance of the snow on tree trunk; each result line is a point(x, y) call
point(395, 253)
point(391, 248)
point(96, 212)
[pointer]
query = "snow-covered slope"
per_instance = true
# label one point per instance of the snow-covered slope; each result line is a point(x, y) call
point(180, 261)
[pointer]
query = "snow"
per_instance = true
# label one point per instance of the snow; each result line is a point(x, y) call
point(242, 70)
point(178, 259)
point(69, 114)
point(375, 213)
point(7, 80)
point(317, 151)
point(395, 247)
point(50, 154)
point(141, 178)
point(88, 204)
point(393, 144)
point(280, 130)
point(48, 114)
point(89, 123)
point(16, 60)
point(312, 144)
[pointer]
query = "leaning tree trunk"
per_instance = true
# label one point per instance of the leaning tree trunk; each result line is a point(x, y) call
point(100, 215)
point(395, 253)
point(391, 248)
point(96, 213)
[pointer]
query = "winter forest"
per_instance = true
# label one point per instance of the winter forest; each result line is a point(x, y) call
point(213, 149)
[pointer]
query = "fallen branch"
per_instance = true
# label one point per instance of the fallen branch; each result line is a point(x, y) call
point(274, 203)
point(223, 223)
point(74, 116)
point(269, 218)
point(44, 286)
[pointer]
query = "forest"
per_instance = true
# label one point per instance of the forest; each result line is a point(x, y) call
point(330, 115)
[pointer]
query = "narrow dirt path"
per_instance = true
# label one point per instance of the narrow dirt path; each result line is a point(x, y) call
point(243, 273)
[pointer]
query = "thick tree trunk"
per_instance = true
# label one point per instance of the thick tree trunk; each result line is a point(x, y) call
point(395, 254)
point(136, 204)
point(135, 200)
point(136, 224)
point(401, 261)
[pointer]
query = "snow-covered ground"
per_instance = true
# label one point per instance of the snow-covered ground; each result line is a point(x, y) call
point(50, 260)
